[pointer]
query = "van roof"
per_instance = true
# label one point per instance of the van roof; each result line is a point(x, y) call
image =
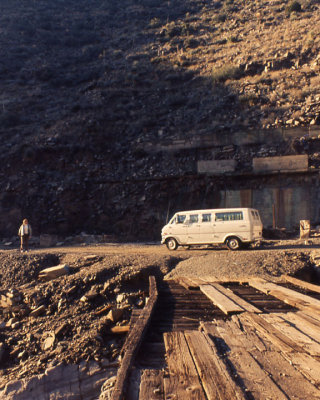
point(217, 210)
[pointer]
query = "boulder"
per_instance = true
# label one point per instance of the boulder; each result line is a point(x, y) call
point(115, 314)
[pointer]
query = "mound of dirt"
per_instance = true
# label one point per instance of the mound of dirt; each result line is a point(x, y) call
point(241, 265)
point(18, 269)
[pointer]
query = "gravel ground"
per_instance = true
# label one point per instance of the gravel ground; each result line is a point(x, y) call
point(271, 260)
point(244, 264)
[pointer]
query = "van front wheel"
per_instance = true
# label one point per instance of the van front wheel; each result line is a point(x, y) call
point(172, 244)
point(233, 243)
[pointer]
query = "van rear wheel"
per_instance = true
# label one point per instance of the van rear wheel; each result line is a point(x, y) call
point(172, 244)
point(233, 243)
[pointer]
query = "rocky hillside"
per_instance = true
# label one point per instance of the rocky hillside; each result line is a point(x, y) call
point(86, 84)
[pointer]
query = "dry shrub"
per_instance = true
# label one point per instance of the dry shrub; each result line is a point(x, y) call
point(293, 6)
point(225, 72)
point(315, 81)
point(296, 94)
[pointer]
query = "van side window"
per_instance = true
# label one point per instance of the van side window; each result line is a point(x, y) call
point(181, 219)
point(257, 215)
point(193, 218)
point(206, 217)
point(229, 216)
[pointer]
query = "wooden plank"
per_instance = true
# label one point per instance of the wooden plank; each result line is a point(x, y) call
point(254, 341)
point(220, 300)
point(210, 279)
point(304, 229)
point(310, 313)
point(238, 300)
point(304, 323)
point(281, 163)
point(133, 341)
point(294, 353)
point(120, 330)
point(286, 376)
point(215, 377)
point(186, 282)
point(151, 385)
point(254, 378)
point(298, 336)
point(286, 295)
point(302, 284)
point(307, 365)
point(282, 341)
point(182, 381)
point(311, 319)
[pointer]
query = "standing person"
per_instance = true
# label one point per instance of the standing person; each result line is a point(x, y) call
point(25, 233)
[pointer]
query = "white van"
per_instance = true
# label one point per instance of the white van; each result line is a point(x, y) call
point(235, 227)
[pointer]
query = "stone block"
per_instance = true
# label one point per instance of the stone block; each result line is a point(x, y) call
point(48, 240)
point(115, 314)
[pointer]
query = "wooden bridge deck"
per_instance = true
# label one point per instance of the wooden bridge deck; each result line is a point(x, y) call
point(261, 340)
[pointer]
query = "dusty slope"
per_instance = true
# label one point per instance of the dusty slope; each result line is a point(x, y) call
point(86, 85)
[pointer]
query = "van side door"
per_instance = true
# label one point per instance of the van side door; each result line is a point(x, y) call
point(206, 228)
point(193, 229)
point(179, 228)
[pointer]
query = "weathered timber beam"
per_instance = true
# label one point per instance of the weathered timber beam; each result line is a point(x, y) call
point(302, 284)
point(133, 341)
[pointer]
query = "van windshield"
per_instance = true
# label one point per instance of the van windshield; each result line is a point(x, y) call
point(181, 219)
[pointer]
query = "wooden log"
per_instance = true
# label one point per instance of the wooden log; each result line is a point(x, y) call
point(302, 284)
point(120, 330)
point(215, 377)
point(304, 229)
point(220, 300)
point(255, 380)
point(183, 381)
point(103, 309)
point(151, 385)
point(133, 341)
point(236, 299)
